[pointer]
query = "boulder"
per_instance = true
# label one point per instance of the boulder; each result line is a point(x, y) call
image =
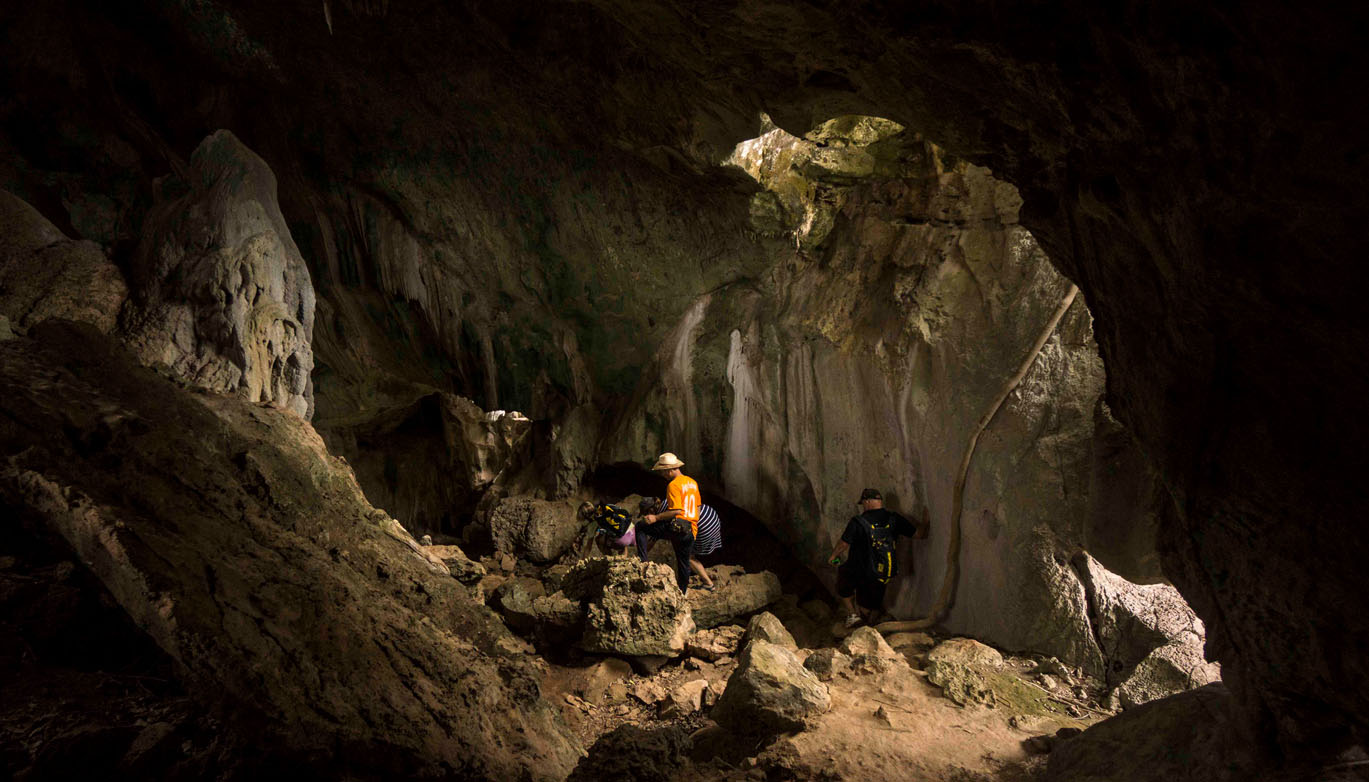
point(43, 274)
point(1191, 735)
point(514, 601)
point(220, 293)
point(557, 620)
point(537, 530)
point(1150, 638)
point(770, 692)
point(462, 567)
point(963, 669)
point(917, 642)
point(715, 643)
point(827, 662)
point(684, 700)
point(738, 594)
point(631, 607)
point(766, 627)
point(1167, 670)
point(633, 754)
point(867, 642)
point(599, 677)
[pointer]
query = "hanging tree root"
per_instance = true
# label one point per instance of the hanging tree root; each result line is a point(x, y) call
point(948, 585)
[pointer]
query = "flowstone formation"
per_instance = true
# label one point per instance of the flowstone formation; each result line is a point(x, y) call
point(221, 294)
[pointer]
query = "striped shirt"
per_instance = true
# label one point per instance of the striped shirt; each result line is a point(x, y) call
point(710, 537)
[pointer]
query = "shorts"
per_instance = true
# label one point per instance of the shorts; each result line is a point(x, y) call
point(868, 591)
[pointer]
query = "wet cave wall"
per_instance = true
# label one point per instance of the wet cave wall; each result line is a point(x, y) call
point(474, 189)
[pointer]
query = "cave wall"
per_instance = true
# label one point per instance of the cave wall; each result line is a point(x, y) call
point(909, 296)
point(1176, 161)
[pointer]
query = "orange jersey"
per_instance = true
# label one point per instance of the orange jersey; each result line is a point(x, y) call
point(683, 495)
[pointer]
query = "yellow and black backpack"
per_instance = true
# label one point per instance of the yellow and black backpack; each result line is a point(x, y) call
point(883, 560)
point(613, 520)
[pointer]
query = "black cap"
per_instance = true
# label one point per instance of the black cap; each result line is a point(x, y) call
point(870, 494)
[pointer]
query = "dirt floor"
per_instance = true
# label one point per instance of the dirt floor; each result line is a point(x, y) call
point(886, 723)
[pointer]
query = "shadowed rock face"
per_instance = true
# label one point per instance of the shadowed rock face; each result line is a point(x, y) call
point(1174, 161)
point(43, 274)
point(306, 620)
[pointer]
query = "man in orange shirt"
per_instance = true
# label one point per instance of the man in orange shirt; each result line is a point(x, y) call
point(681, 519)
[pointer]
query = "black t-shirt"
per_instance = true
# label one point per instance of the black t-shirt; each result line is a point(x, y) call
point(858, 537)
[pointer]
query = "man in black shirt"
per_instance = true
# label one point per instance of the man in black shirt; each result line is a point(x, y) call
point(865, 556)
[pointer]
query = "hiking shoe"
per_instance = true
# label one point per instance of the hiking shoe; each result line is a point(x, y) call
point(709, 587)
point(852, 620)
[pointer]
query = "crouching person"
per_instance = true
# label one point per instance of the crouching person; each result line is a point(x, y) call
point(608, 527)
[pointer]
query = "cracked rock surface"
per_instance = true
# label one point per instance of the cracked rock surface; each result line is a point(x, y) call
point(309, 621)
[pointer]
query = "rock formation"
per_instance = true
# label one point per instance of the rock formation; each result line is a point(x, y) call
point(43, 274)
point(221, 294)
point(538, 530)
point(1151, 640)
point(428, 461)
point(912, 295)
point(307, 620)
point(1190, 736)
point(631, 607)
point(770, 691)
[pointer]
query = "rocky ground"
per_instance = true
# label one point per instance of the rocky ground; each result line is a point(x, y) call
point(884, 718)
point(195, 584)
point(749, 682)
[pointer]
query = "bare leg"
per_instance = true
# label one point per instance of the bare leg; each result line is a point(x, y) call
point(698, 567)
point(850, 603)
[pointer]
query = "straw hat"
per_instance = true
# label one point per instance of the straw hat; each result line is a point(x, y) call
point(668, 461)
